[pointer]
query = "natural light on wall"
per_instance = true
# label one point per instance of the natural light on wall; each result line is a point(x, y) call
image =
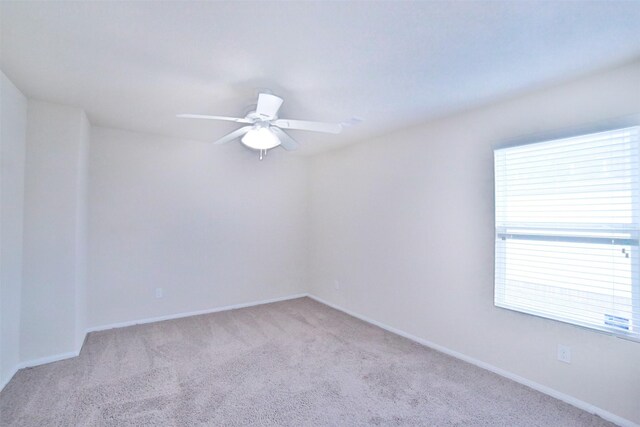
point(567, 227)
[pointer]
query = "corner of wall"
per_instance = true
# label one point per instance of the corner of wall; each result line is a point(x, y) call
point(310, 162)
point(54, 267)
point(13, 117)
point(82, 231)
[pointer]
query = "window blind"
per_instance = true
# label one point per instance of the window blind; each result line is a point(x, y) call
point(567, 229)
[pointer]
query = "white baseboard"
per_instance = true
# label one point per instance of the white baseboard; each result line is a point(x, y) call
point(37, 362)
point(192, 313)
point(58, 357)
point(6, 381)
point(48, 359)
point(536, 386)
point(524, 381)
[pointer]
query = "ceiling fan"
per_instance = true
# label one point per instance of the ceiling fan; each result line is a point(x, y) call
point(264, 129)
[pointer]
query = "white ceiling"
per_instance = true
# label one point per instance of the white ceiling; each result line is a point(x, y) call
point(134, 65)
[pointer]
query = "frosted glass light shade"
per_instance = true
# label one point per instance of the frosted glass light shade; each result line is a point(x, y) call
point(260, 139)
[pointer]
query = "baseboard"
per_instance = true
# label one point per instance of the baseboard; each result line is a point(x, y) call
point(524, 381)
point(193, 313)
point(4, 383)
point(62, 356)
point(38, 362)
point(536, 386)
point(48, 359)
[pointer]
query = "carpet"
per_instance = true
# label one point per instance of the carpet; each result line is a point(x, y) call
point(291, 363)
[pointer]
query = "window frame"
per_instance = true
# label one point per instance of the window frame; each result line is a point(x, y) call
point(633, 242)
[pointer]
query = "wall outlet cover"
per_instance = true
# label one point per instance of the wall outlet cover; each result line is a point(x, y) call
point(564, 353)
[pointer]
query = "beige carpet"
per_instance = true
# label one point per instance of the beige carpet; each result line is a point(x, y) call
point(293, 363)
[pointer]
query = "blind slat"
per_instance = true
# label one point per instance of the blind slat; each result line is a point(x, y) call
point(567, 228)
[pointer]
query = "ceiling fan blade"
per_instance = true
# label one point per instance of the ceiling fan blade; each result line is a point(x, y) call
point(201, 116)
point(234, 135)
point(306, 125)
point(268, 105)
point(286, 141)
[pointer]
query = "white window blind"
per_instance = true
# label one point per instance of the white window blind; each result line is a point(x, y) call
point(567, 228)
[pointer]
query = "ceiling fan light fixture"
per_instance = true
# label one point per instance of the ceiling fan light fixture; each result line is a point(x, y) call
point(265, 128)
point(260, 139)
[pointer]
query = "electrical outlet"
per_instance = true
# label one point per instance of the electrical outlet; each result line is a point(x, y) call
point(564, 353)
point(159, 293)
point(336, 284)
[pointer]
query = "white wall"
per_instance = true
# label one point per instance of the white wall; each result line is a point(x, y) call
point(210, 225)
point(81, 232)
point(13, 124)
point(405, 223)
point(53, 232)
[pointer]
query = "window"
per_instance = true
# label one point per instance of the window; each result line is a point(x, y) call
point(567, 229)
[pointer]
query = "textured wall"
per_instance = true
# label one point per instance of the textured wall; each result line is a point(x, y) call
point(405, 223)
point(53, 232)
point(210, 225)
point(13, 126)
